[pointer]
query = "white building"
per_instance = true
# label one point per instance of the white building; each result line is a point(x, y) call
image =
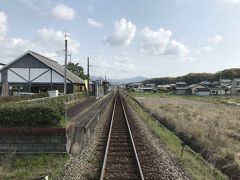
point(33, 73)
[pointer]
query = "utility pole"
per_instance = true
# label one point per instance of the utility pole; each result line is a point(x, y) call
point(88, 75)
point(65, 69)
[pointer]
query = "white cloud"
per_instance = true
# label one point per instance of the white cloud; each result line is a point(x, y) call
point(10, 48)
point(123, 63)
point(94, 23)
point(3, 23)
point(56, 38)
point(48, 42)
point(178, 49)
point(215, 39)
point(155, 42)
point(115, 65)
point(205, 49)
point(124, 31)
point(159, 43)
point(63, 12)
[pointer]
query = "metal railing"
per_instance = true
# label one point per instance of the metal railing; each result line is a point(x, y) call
point(65, 98)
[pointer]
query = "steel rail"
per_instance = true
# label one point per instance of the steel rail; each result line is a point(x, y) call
point(108, 142)
point(133, 144)
point(109, 138)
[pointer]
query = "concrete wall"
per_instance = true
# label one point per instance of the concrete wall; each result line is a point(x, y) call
point(181, 91)
point(203, 93)
point(33, 140)
point(79, 135)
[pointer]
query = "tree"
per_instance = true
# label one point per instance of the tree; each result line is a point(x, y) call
point(76, 69)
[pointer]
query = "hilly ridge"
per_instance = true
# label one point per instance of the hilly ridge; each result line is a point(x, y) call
point(193, 78)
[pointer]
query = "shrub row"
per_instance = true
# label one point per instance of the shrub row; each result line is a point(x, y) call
point(48, 114)
point(22, 98)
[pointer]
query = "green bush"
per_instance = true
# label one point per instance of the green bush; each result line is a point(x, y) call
point(164, 90)
point(22, 98)
point(47, 114)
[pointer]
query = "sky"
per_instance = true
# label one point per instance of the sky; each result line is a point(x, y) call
point(155, 38)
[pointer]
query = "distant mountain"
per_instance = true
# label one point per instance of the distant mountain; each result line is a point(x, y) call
point(127, 80)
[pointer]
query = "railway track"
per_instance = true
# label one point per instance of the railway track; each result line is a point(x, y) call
point(120, 159)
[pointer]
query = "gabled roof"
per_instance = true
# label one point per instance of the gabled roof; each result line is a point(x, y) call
point(192, 85)
point(225, 80)
point(236, 79)
point(50, 63)
point(205, 82)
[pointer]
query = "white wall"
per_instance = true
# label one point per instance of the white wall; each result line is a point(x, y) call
point(57, 78)
point(12, 77)
point(35, 72)
point(44, 78)
point(22, 75)
point(203, 93)
point(23, 72)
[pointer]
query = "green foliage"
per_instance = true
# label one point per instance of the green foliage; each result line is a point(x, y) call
point(76, 69)
point(193, 78)
point(164, 90)
point(22, 98)
point(32, 166)
point(31, 114)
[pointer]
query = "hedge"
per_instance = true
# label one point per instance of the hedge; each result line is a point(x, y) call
point(22, 98)
point(48, 114)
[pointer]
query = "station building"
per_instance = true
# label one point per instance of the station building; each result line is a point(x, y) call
point(34, 73)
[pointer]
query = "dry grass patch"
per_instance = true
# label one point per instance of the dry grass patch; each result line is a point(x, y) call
point(211, 129)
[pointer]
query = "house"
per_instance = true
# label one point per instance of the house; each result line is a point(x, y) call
point(148, 88)
point(224, 82)
point(1, 65)
point(151, 86)
point(217, 91)
point(145, 89)
point(192, 89)
point(181, 84)
point(205, 83)
point(235, 86)
point(202, 91)
point(165, 86)
point(181, 88)
point(34, 73)
point(101, 87)
point(136, 86)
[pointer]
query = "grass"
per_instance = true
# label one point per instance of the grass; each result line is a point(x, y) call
point(226, 99)
point(212, 99)
point(31, 166)
point(146, 94)
point(211, 128)
point(193, 162)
